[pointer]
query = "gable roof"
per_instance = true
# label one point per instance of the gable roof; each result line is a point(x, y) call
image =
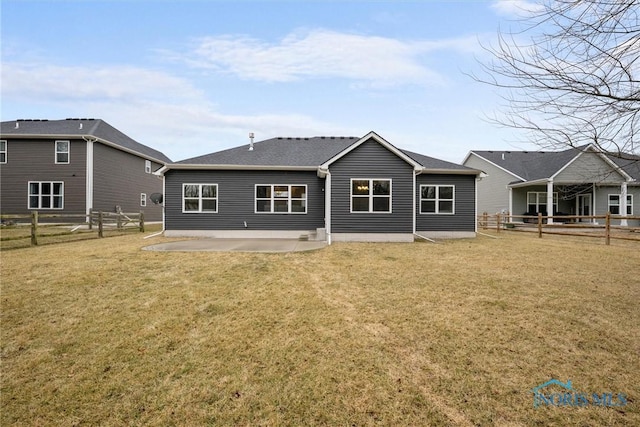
point(306, 153)
point(538, 165)
point(78, 128)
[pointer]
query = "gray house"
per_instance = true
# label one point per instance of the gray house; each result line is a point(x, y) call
point(326, 188)
point(576, 181)
point(71, 166)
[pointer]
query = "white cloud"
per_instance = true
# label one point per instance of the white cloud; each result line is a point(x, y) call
point(519, 8)
point(378, 61)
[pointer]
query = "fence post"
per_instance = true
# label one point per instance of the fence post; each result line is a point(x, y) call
point(607, 228)
point(484, 220)
point(497, 223)
point(34, 228)
point(91, 219)
point(141, 222)
point(540, 225)
point(100, 225)
point(119, 221)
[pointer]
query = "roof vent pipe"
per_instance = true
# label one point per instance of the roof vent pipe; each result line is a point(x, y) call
point(80, 125)
point(251, 141)
point(502, 156)
point(17, 125)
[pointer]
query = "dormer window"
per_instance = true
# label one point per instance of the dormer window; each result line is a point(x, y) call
point(62, 152)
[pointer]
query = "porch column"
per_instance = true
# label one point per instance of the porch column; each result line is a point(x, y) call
point(623, 203)
point(593, 197)
point(550, 201)
point(511, 203)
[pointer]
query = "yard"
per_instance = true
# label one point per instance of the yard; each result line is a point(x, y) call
point(99, 332)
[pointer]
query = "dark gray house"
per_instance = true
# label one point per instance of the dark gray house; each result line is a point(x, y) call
point(327, 188)
point(71, 166)
point(577, 181)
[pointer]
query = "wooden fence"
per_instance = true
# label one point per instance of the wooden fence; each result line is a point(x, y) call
point(56, 225)
point(568, 225)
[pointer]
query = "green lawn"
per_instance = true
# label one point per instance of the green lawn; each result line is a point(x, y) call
point(99, 332)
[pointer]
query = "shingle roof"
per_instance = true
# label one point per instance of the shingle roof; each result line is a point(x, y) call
point(77, 128)
point(300, 152)
point(534, 165)
point(278, 152)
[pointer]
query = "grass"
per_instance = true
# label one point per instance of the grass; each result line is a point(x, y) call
point(99, 332)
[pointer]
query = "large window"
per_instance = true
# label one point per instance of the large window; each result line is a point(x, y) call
point(437, 199)
point(3, 151)
point(62, 151)
point(614, 204)
point(284, 199)
point(200, 198)
point(371, 195)
point(46, 195)
point(537, 202)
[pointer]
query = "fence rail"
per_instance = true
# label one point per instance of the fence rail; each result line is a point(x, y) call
point(68, 224)
point(568, 225)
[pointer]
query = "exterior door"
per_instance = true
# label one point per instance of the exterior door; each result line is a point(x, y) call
point(584, 206)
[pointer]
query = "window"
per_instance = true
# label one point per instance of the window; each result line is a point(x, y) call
point(143, 199)
point(46, 195)
point(537, 202)
point(614, 204)
point(437, 199)
point(197, 198)
point(3, 151)
point(147, 166)
point(62, 151)
point(281, 199)
point(371, 195)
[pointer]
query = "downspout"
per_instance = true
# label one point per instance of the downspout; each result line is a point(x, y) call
point(89, 174)
point(164, 192)
point(327, 208)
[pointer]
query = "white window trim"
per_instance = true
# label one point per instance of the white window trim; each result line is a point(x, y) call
point(200, 211)
point(143, 199)
point(273, 198)
point(6, 144)
point(437, 199)
point(39, 195)
point(68, 152)
point(629, 203)
point(147, 166)
point(544, 199)
point(370, 196)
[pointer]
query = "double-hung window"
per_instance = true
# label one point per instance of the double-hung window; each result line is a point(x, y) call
point(199, 198)
point(143, 199)
point(273, 198)
point(147, 166)
point(62, 151)
point(3, 151)
point(437, 199)
point(537, 202)
point(614, 204)
point(46, 195)
point(371, 195)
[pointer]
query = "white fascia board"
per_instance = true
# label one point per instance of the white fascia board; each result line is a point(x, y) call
point(474, 172)
point(386, 144)
point(494, 164)
point(542, 181)
point(187, 166)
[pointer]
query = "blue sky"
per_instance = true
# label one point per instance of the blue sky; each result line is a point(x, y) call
point(192, 77)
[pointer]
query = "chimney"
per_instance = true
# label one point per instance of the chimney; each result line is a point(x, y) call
point(251, 141)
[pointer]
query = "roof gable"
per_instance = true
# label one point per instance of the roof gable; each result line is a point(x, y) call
point(78, 128)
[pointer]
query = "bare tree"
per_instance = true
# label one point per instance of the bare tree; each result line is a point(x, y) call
point(571, 75)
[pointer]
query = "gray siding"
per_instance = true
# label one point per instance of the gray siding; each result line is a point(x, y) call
point(464, 218)
point(602, 202)
point(371, 160)
point(588, 167)
point(236, 200)
point(118, 180)
point(493, 195)
point(34, 160)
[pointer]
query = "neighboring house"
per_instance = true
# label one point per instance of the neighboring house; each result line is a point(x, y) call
point(577, 181)
point(325, 188)
point(74, 165)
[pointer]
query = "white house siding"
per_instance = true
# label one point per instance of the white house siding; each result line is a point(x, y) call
point(493, 195)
